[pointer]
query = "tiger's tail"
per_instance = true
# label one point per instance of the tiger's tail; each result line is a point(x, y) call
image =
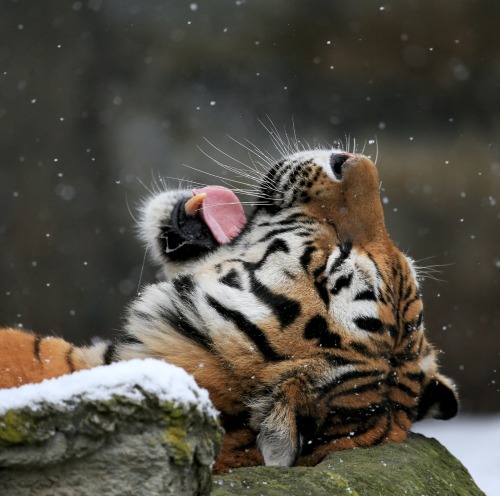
point(27, 357)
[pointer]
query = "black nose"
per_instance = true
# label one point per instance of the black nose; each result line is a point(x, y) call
point(336, 162)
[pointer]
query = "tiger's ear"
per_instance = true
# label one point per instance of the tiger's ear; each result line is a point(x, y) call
point(439, 399)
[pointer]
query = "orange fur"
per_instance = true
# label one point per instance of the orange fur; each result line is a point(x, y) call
point(239, 449)
point(26, 357)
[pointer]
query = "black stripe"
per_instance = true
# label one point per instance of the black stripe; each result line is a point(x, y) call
point(69, 359)
point(254, 333)
point(417, 377)
point(231, 279)
point(356, 414)
point(399, 314)
point(369, 386)
point(142, 315)
point(420, 319)
point(408, 303)
point(306, 424)
point(370, 324)
point(349, 376)
point(109, 355)
point(405, 389)
point(380, 276)
point(184, 327)
point(398, 407)
point(317, 328)
point(309, 447)
point(234, 422)
point(337, 360)
point(393, 331)
point(184, 285)
point(341, 283)
point(305, 258)
point(364, 350)
point(365, 419)
point(369, 413)
point(345, 251)
point(36, 347)
point(129, 339)
point(320, 284)
point(408, 329)
point(383, 435)
point(285, 309)
point(409, 290)
point(269, 183)
point(275, 232)
point(291, 219)
point(367, 294)
point(405, 356)
point(277, 245)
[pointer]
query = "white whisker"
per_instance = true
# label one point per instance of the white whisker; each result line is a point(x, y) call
point(236, 170)
point(144, 186)
point(142, 270)
point(130, 210)
point(232, 158)
point(256, 151)
point(223, 179)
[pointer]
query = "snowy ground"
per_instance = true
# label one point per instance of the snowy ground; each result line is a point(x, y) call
point(475, 441)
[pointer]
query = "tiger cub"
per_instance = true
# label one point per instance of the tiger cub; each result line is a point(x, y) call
point(303, 322)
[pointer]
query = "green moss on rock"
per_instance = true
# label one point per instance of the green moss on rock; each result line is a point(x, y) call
point(176, 439)
point(420, 466)
point(16, 427)
point(120, 445)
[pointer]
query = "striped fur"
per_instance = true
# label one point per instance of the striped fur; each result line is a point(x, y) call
point(29, 358)
point(306, 329)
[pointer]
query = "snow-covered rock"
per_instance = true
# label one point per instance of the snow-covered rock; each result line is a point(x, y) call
point(137, 427)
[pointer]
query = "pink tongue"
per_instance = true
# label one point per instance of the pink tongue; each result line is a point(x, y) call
point(222, 212)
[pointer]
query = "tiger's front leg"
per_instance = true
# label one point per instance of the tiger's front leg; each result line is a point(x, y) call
point(291, 412)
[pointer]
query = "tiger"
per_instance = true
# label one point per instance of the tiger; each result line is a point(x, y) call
point(304, 322)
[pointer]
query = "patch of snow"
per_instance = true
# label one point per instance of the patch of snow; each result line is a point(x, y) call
point(474, 441)
point(168, 382)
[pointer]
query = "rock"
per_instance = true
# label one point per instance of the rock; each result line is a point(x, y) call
point(420, 466)
point(135, 441)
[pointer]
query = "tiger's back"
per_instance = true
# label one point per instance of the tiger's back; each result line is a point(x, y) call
point(306, 328)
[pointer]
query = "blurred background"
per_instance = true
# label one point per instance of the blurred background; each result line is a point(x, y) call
point(100, 98)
